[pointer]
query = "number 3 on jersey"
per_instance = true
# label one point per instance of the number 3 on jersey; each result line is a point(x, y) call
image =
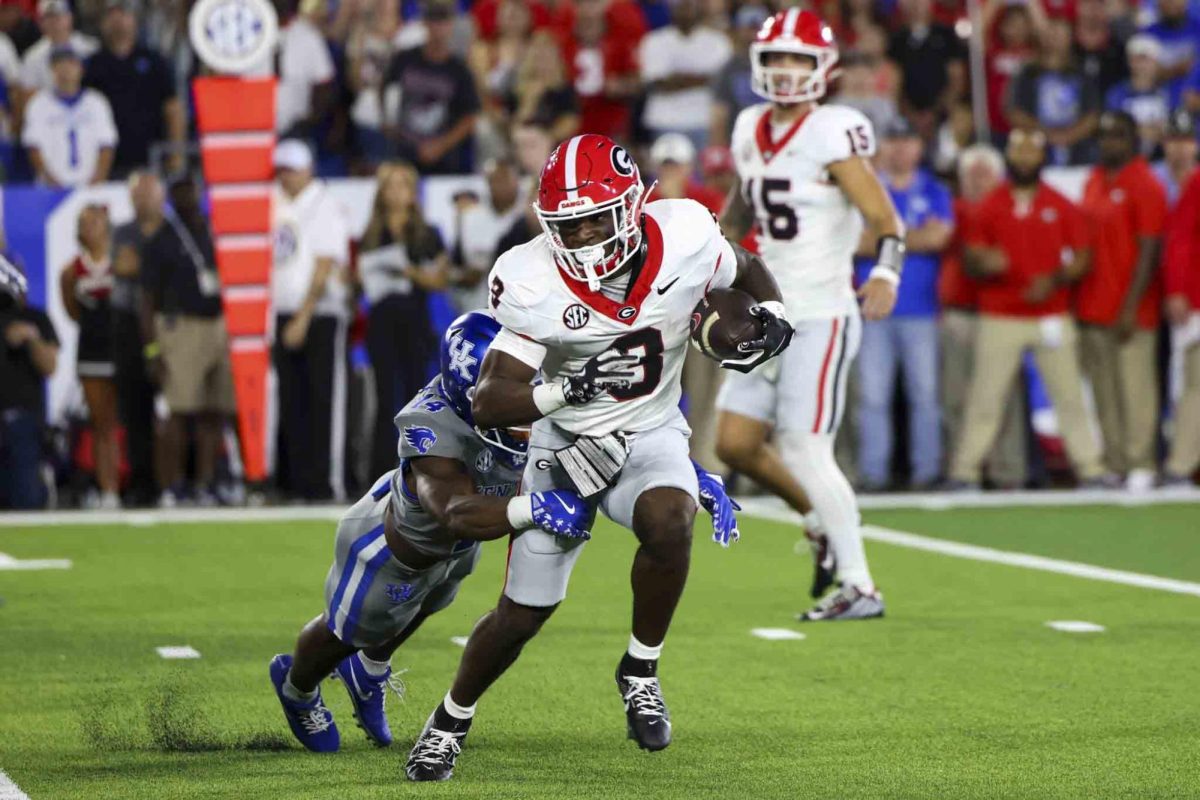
point(782, 222)
point(647, 344)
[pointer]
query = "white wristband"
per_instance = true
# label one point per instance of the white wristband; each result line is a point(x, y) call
point(549, 397)
point(885, 273)
point(775, 307)
point(520, 512)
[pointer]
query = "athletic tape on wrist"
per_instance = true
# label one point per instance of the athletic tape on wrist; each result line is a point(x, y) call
point(520, 512)
point(549, 397)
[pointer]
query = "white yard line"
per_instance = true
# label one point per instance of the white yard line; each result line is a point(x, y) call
point(775, 510)
point(9, 790)
point(928, 502)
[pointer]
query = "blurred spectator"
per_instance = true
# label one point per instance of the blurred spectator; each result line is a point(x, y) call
point(980, 170)
point(855, 17)
point(10, 63)
point(479, 231)
point(1010, 32)
point(873, 44)
point(305, 92)
point(673, 159)
point(16, 23)
point(1118, 302)
point(678, 63)
point(602, 60)
point(368, 30)
point(28, 355)
point(140, 87)
point(86, 286)
point(531, 146)
point(857, 90)
point(908, 339)
point(69, 132)
point(718, 170)
point(135, 392)
point(1181, 267)
point(1053, 93)
point(435, 118)
point(1143, 96)
point(1178, 33)
point(1026, 247)
point(731, 90)
point(310, 299)
point(1100, 44)
point(955, 134)
point(1179, 154)
point(58, 31)
point(188, 354)
point(541, 93)
point(401, 259)
point(495, 60)
point(932, 60)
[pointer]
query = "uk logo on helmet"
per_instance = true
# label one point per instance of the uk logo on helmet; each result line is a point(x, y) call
point(461, 359)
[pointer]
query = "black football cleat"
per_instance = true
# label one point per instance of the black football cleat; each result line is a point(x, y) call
point(824, 564)
point(432, 757)
point(649, 721)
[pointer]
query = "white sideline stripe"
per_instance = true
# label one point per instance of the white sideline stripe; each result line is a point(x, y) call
point(775, 510)
point(1074, 626)
point(777, 634)
point(178, 651)
point(10, 564)
point(9, 790)
point(927, 502)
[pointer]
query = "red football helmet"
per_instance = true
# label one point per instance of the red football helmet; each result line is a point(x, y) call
point(591, 175)
point(802, 33)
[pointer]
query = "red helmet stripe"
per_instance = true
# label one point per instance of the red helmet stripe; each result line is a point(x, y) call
point(572, 180)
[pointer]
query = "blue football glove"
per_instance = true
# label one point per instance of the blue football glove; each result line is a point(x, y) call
point(562, 513)
point(719, 505)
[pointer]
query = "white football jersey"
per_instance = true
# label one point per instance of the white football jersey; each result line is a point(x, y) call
point(808, 229)
point(69, 134)
point(567, 324)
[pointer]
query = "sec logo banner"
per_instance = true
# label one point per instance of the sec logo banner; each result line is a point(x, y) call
point(233, 36)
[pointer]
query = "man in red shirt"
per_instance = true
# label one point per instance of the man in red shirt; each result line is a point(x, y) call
point(1118, 302)
point(602, 61)
point(980, 170)
point(1181, 268)
point(1027, 246)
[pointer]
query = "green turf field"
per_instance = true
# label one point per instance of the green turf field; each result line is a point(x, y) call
point(961, 692)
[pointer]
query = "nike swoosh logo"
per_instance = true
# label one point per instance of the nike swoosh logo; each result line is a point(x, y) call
point(664, 289)
point(570, 509)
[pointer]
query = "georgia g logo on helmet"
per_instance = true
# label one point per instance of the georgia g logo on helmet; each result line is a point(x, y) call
point(622, 162)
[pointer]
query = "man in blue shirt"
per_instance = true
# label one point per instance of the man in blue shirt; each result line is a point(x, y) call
point(908, 340)
point(1178, 33)
point(1144, 96)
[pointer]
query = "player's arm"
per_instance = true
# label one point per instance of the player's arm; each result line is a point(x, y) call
point(753, 278)
point(447, 493)
point(104, 162)
point(504, 396)
point(737, 217)
point(861, 186)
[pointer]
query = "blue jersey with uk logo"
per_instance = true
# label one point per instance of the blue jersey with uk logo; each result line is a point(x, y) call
point(924, 199)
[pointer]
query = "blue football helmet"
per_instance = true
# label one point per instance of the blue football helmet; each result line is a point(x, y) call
point(464, 344)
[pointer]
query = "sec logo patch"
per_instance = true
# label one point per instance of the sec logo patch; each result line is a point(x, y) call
point(576, 316)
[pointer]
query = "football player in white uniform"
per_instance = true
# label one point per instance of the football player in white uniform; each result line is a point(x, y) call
point(806, 179)
point(600, 305)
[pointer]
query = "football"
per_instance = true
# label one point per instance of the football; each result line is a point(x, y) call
point(722, 320)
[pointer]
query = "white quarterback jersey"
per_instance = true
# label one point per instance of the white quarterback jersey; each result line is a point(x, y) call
point(808, 229)
point(554, 322)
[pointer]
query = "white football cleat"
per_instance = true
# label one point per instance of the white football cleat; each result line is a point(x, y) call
point(848, 602)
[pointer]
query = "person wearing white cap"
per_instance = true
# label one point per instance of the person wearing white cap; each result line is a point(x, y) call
point(58, 29)
point(310, 300)
point(1143, 95)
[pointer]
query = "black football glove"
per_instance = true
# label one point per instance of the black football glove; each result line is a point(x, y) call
point(776, 336)
point(610, 369)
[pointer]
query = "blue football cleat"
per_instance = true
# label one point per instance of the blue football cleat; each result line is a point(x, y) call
point(367, 696)
point(311, 723)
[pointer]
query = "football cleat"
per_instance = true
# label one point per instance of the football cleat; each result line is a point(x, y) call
point(367, 697)
point(649, 721)
point(432, 757)
point(846, 603)
point(311, 723)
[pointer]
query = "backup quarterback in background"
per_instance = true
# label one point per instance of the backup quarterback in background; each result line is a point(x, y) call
point(806, 178)
point(600, 305)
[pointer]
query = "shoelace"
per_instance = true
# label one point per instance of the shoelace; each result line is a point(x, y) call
point(435, 746)
point(315, 720)
point(645, 696)
point(396, 683)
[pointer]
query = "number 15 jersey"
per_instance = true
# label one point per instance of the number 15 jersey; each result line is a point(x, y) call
point(555, 323)
point(807, 228)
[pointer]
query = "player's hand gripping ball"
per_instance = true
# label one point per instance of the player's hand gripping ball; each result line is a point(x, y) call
point(721, 321)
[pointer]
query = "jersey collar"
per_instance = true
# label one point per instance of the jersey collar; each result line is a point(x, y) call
point(628, 311)
point(762, 134)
